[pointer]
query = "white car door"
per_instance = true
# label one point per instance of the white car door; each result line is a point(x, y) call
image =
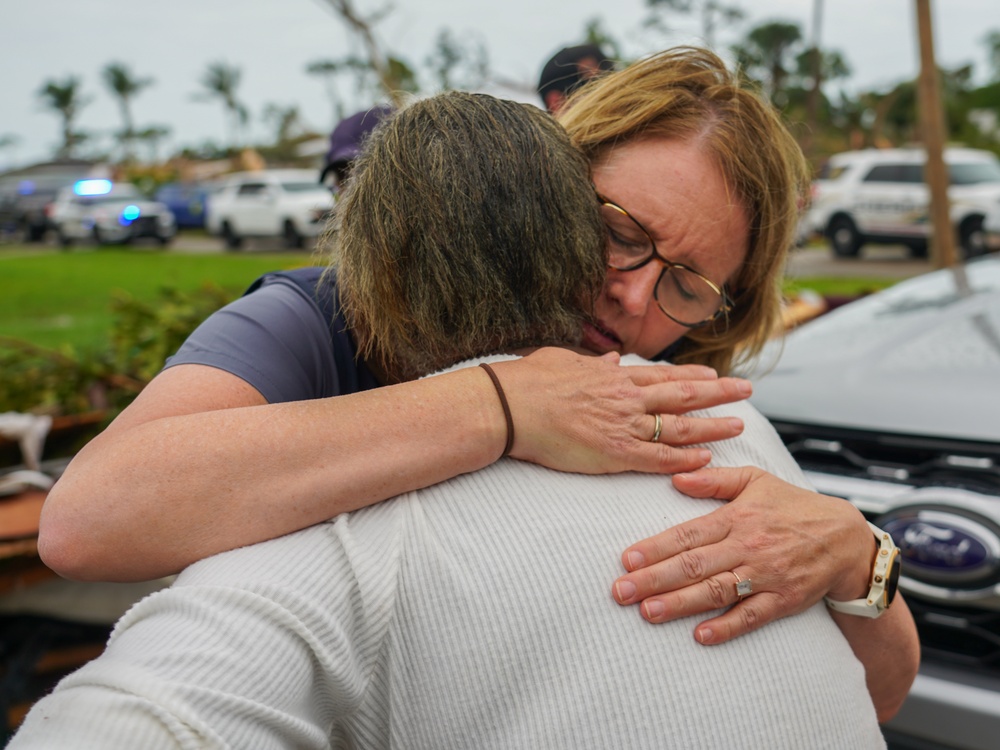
point(892, 200)
point(251, 207)
point(72, 223)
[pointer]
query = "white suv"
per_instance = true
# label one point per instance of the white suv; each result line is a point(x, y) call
point(285, 203)
point(879, 196)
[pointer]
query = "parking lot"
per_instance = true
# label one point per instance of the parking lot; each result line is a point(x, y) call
point(879, 261)
point(814, 260)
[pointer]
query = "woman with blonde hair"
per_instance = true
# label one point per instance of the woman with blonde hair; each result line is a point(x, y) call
point(260, 426)
point(687, 96)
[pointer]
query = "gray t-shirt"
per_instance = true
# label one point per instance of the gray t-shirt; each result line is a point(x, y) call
point(278, 339)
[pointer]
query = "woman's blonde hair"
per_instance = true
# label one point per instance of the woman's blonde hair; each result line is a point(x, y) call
point(688, 94)
point(469, 226)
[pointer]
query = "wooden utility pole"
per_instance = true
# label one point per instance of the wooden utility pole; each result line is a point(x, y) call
point(942, 240)
point(813, 102)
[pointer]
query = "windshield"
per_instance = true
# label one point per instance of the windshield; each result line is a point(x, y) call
point(830, 171)
point(975, 173)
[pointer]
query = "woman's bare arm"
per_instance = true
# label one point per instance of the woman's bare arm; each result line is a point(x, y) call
point(890, 652)
point(199, 463)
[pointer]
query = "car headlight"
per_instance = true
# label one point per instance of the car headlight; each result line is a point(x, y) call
point(129, 214)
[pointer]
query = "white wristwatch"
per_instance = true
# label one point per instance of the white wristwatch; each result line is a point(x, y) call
point(885, 579)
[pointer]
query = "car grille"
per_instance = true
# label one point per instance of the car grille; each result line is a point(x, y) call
point(959, 636)
point(940, 499)
point(144, 226)
point(921, 462)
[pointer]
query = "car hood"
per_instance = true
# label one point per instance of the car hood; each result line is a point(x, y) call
point(920, 358)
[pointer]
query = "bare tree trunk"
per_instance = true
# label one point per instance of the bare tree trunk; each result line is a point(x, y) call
point(128, 136)
point(363, 28)
point(882, 107)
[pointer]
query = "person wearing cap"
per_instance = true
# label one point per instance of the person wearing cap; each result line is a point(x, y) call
point(346, 141)
point(567, 70)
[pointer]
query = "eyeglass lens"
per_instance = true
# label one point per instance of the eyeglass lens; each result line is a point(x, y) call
point(685, 296)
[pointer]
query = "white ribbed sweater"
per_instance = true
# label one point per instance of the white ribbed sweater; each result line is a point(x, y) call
point(473, 614)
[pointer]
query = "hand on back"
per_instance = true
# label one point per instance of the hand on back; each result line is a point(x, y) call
point(591, 415)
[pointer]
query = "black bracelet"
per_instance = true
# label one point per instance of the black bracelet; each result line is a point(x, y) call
point(506, 408)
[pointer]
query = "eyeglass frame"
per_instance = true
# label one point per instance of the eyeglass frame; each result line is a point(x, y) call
point(727, 303)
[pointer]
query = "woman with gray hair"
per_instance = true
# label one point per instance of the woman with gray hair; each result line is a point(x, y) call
point(435, 248)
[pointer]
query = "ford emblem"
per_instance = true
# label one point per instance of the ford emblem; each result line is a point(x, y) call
point(945, 546)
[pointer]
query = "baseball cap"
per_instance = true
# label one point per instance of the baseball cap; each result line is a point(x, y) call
point(561, 73)
point(348, 137)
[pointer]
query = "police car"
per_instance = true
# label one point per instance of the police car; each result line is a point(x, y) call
point(880, 197)
point(109, 212)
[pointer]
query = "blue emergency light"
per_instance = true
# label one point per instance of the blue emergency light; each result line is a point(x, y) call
point(92, 187)
point(129, 214)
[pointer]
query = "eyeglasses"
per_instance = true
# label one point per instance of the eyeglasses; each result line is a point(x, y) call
point(683, 295)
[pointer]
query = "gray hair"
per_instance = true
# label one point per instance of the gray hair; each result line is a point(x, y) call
point(469, 226)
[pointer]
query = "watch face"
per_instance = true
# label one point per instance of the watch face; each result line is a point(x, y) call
point(892, 580)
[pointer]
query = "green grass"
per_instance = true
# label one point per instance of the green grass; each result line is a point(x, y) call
point(52, 298)
point(828, 286)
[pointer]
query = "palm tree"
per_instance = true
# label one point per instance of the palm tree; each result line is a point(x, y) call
point(713, 14)
point(220, 82)
point(152, 137)
point(328, 70)
point(65, 98)
point(124, 86)
point(8, 141)
point(992, 42)
point(286, 120)
point(458, 64)
point(766, 52)
point(595, 32)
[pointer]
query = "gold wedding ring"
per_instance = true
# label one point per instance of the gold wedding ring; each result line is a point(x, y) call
point(657, 429)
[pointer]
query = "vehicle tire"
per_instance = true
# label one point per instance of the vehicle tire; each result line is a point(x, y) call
point(844, 238)
point(970, 237)
point(918, 249)
point(165, 240)
point(290, 236)
point(232, 240)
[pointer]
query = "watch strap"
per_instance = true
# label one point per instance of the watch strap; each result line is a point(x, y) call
point(882, 578)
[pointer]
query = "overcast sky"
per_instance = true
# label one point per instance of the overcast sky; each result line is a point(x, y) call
point(272, 41)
